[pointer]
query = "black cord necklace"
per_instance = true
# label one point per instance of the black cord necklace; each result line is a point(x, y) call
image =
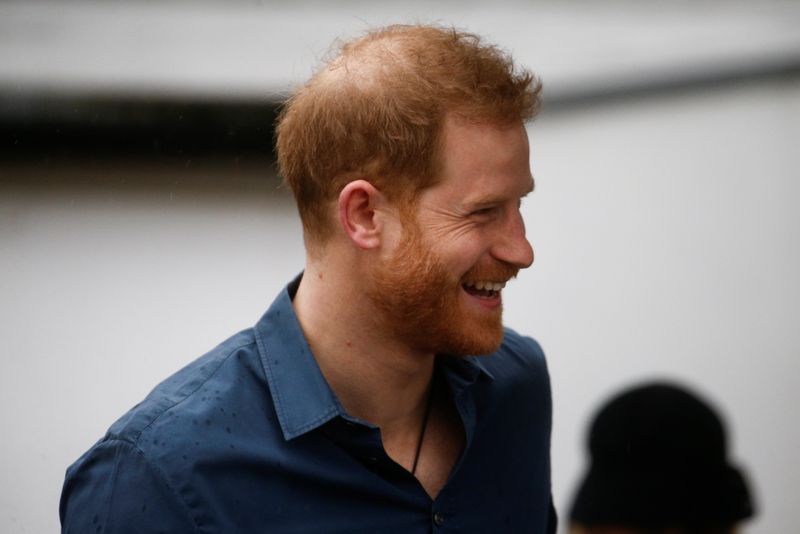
point(424, 426)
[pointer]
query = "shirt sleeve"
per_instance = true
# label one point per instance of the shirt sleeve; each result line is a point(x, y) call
point(115, 489)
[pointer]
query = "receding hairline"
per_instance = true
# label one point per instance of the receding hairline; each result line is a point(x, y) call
point(363, 61)
point(376, 105)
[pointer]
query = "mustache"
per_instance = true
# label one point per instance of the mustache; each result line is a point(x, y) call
point(498, 272)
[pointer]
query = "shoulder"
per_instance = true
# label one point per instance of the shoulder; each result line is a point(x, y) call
point(519, 377)
point(113, 487)
point(518, 358)
point(185, 410)
point(523, 347)
point(192, 389)
point(156, 447)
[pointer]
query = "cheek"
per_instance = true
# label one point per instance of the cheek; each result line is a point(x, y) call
point(441, 226)
point(458, 244)
point(461, 255)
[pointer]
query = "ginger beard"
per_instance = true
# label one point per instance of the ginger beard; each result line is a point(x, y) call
point(422, 304)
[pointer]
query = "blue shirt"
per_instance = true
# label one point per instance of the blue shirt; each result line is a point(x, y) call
point(250, 438)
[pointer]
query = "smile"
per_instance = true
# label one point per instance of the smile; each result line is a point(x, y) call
point(485, 289)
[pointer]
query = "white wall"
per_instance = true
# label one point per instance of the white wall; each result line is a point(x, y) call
point(667, 245)
point(111, 278)
point(666, 238)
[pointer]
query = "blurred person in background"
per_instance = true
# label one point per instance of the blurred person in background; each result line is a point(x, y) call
point(659, 466)
point(358, 403)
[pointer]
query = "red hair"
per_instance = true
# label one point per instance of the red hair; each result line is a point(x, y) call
point(376, 112)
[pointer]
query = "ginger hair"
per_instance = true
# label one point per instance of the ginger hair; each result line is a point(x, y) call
point(376, 112)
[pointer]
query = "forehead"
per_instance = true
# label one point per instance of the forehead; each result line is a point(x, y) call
point(482, 161)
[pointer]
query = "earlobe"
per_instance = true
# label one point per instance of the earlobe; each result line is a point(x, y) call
point(358, 203)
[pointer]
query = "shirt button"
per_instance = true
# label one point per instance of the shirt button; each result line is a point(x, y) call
point(438, 519)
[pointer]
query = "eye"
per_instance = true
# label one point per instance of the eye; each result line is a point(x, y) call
point(486, 213)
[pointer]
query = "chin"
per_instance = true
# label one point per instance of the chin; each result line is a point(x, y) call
point(469, 338)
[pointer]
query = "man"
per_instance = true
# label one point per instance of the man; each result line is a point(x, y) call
point(357, 404)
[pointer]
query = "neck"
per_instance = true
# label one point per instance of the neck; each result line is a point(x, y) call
point(376, 377)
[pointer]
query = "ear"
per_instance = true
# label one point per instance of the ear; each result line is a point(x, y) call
point(359, 204)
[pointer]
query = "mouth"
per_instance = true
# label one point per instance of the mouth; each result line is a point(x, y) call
point(486, 291)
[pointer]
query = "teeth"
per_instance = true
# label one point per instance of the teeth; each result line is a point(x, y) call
point(488, 286)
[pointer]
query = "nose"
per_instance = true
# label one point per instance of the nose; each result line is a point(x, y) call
point(511, 245)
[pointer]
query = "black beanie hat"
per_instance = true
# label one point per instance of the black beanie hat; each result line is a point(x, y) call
point(658, 458)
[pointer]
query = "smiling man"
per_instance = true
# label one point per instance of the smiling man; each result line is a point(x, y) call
point(380, 391)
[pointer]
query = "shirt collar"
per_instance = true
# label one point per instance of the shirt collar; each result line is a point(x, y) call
point(476, 367)
point(302, 397)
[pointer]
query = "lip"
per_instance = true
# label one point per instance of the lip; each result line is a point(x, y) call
point(490, 303)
